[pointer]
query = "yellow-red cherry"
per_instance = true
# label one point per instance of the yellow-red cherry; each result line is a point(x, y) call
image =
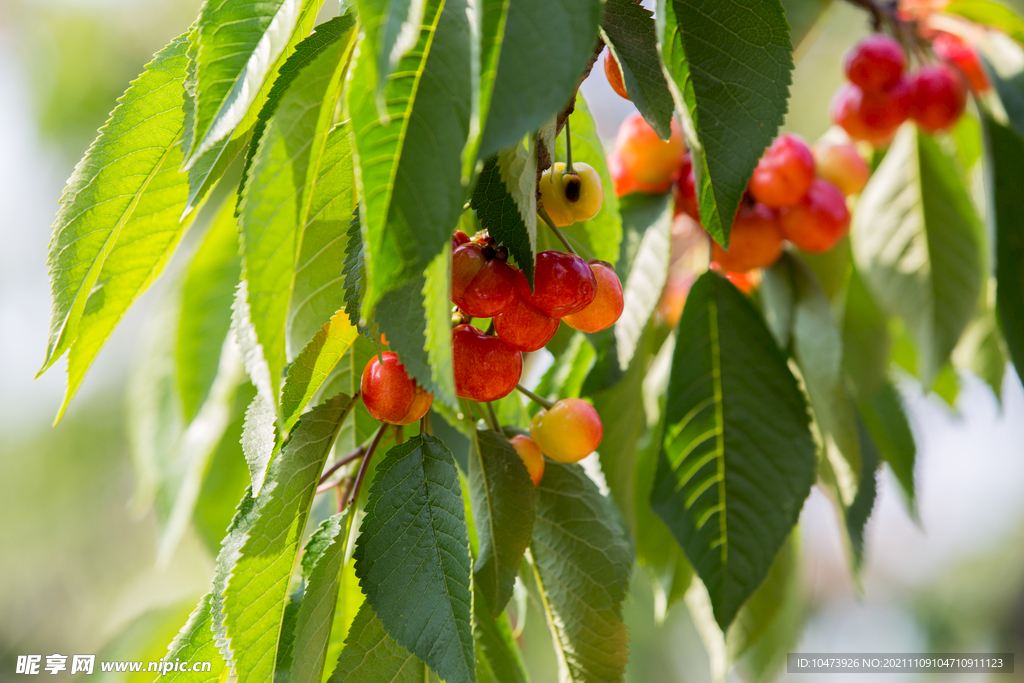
point(568, 431)
point(531, 456)
point(605, 309)
point(842, 165)
point(485, 367)
point(614, 74)
point(646, 157)
point(389, 394)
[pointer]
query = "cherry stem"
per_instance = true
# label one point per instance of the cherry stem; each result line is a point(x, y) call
point(357, 453)
point(568, 147)
point(495, 423)
point(558, 233)
point(536, 398)
point(365, 465)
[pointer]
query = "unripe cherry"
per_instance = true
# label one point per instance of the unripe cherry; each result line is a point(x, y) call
point(522, 325)
point(482, 288)
point(843, 166)
point(605, 309)
point(875, 63)
point(531, 456)
point(571, 197)
point(784, 172)
point(873, 116)
point(623, 183)
point(754, 242)
point(646, 157)
point(955, 51)
point(938, 97)
point(562, 284)
point(389, 394)
point(819, 221)
point(614, 74)
point(568, 431)
point(485, 368)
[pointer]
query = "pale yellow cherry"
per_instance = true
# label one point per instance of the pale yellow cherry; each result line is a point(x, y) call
point(571, 197)
point(568, 431)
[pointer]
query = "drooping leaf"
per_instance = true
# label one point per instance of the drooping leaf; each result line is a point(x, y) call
point(391, 29)
point(318, 292)
point(310, 369)
point(239, 43)
point(629, 32)
point(350, 601)
point(412, 556)
point(916, 243)
point(582, 562)
point(802, 16)
point(259, 439)
point(648, 272)
point(502, 499)
point(730, 62)
point(278, 197)
point(372, 656)
point(354, 271)
point(497, 654)
point(206, 298)
point(885, 418)
point(255, 589)
point(409, 157)
point(545, 48)
point(195, 643)
point(118, 222)
point(982, 349)
point(505, 201)
point(737, 457)
point(867, 348)
point(321, 568)
point(859, 510)
point(1002, 146)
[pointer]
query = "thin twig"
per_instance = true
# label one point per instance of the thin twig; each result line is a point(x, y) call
point(495, 423)
point(365, 465)
point(568, 148)
point(357, 453)
point(558, 233)
point(536, 398)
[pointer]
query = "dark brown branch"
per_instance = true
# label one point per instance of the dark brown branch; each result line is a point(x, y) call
point(357, 453)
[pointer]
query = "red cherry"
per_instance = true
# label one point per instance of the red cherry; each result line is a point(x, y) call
point(482, 288)
point(819, 221)
point(646, 157)
point(485, 368)
point(875, 63)
point(459, 238)
point(955, 51)
point(562, 283)
point(623, 183)
point(389, 394)
point(938, 97)
point(522, 325)
point(607, 305)
point(754, 242)
point(685, 190)
point(784, 173)
point(871, 116)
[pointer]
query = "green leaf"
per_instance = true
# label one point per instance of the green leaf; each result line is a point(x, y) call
point(648, 272)
point(565, 378)
point(239, 43)
point(497, 654)
point(207, 293)
point(818, 348)
point(321, 568)
point(730, 62)
point(1005, 211)
point(118, 221)
point(991, 13)
point(859, 510)
point(409, 163)
point(350, 601)
point(737, 458)
point(867, 348)
point(194, 644)
point(916, 242)
point(259, 440)
point(505, 201)
point(310, 369)
point(318, 292)
point(600, 236)
point(582, 561)
point(372, 656)
point(412, 556)
point(884, 416)
point(545, 48)
point(354, 270)
point(346, 378)
point(629, 32)
point(257, 573)
point(278, 198)
point(502, 499)
point(390, 32)
point(982, 349)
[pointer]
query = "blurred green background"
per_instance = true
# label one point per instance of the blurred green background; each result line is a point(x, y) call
point(78, 570)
